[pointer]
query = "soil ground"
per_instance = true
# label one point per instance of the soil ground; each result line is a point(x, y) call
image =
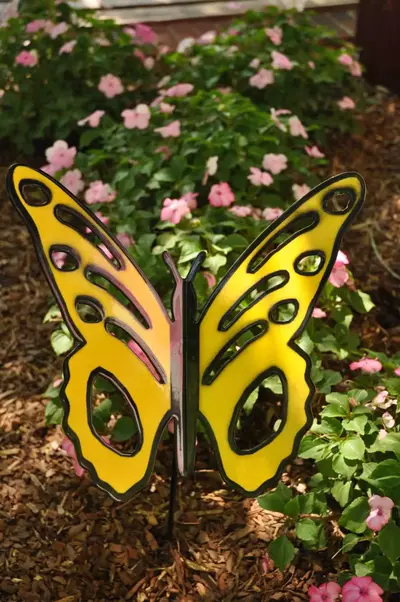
point(63, 540)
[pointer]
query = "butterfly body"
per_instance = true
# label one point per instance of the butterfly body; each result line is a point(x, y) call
point(191, 365)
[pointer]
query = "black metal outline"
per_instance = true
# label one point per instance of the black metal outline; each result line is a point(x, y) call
point(353, 212)
point(332, 193)
point(91, 302)
point(272, 371)
point(68, 251)
point(283, 273)
point(207, 379)
point(139, 341)
point(118, 385)
point(251, 269)
point(306, 254)
point(43, 188)
point(119, 265)
point(122, 289)
point(81, 342)
point(276, 306)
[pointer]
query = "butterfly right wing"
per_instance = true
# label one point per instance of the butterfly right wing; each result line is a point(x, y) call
point(58, 226)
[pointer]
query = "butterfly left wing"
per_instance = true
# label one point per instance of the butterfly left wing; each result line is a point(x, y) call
point(242, 344)
point(59, 223)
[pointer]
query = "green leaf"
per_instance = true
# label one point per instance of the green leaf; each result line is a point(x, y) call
point(390, 443)
point(61, 341)
point(103, 410)
point(87, 137)
point(215, 262)
point(389, 541)
point(330, 378)
point(386, 475)
point(338, 398)
point(305, 342)
point(292, 507)
point(275, 500)
point(250, 401)
point(341, 492)
point(353, 448)
point(53, 315)
point(361, 302)
point(235, 241)
point(124, 429)
point(312, 447)
point(307, 530)
point(54, 412)
point(356, 424)
point(350, 540)
point(334, 410)
point(354, 516)
point(282, 552)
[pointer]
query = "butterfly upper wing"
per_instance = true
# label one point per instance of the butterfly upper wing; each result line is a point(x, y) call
point(272, 350)
point(98, 351)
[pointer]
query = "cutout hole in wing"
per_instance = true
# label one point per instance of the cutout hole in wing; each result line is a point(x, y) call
point(260, 414)
point(89, 310)
point(253, 295)
point(300, 224)
point(310, 263)
point(339, 201)
point(284, 312)
point(232, 349)
point(76, 221)
point(118, 292)
point(113, 415)
point(35, 194)
point(64, 258)
point(122, 333)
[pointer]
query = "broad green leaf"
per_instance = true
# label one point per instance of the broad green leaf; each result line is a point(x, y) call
point(313, 447)
point(354, 516)
point(338, 398)
point(334, 410)
point(292, 507)
point(389, 541)
point(307, 530)
point(124, 429)
point(215, 262)
point(341, 492)
point(390, 443)
point(386, 476)
point(353, 448)
point(356, 424)
point(275, 500)
point(282, 552)
point(61, 341)
point(54, 412)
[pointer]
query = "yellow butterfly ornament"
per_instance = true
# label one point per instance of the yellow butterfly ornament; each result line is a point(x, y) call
point(188, 368)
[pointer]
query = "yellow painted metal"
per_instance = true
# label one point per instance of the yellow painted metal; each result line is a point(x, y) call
point(218, 400)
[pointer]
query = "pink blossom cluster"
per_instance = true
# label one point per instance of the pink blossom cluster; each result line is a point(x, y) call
point(176, 209)
point(59, 156)
point(339, 275)
point(354, 67)
point(99, 192)
point(381, 510)
point(110, 85)
point(358, 589)
point(138, 117)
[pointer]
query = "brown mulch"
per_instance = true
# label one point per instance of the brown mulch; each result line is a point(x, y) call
point(63, 540)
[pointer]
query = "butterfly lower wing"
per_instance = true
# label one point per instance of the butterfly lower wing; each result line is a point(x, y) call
point(269, 277)
point(59, 223)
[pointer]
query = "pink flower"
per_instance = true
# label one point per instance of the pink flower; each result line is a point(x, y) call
point(164, 150)
point(382, 434)
point(93, 119)
point(221, 195)
point(367, 365)
point(110, 85)
point(345, 59)
point(172, 130)
point(381, 510)
point(210, 278)
point(165, 107)
point(275, 118)
point(356, 69)
point(139, 54)
point(68, 47)
point(138, 117)
point(346, 104)
point(271, 213)
point(69, 448)
point(103, 218)
point(380, 399)
point(224, 91)
point(212, 165)
point(125, 239)
point(207, 38)
point(26, 58)
point(241, 210)
point(296, 127)
point(259, 178)
point(255, 63)
point(36, 25)
point(300, 190)
point(148, 62)
point(58, 258)
point(72, 180)
point(361, 589)
point(50, 169)
point(388, 420)
point(318, 313)
point(190, 199)
point(145, 34)
point(311, 64)
point(327, 592)
point(339, 275)
point(275, 35)
point(281, 61)
point(98, 192)
point(179, 90)
point(313, 151)
point(60, 155)
point(174, 210)
point(397, 371)
point(274, 163)
point(261, 79)
point(56, 29)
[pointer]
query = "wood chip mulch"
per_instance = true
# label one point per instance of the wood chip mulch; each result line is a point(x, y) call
point(63, 540)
